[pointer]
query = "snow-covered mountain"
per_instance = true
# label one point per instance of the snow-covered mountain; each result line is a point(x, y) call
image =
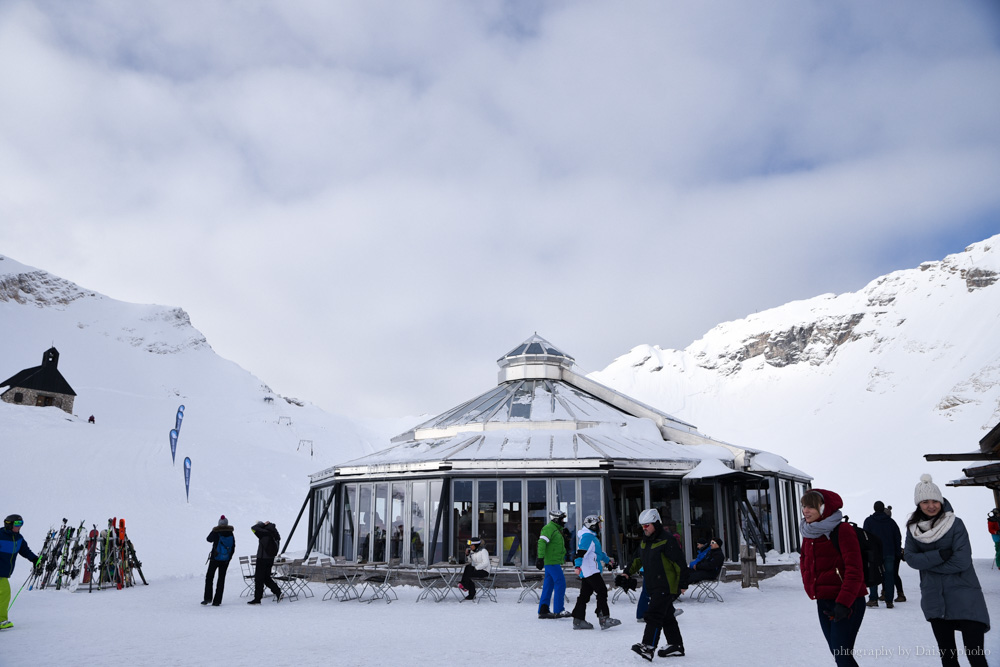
point(853, 388)
point(131, 367)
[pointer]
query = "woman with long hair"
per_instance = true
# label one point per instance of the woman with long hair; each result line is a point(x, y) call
point(832, 574)
point(937, 545)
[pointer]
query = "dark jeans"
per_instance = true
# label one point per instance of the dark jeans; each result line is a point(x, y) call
point(262, 577)
point(643, 603)
point(468, 575)
point(888, 579)
point(660, 615)
point(840, 635)
point(592, 585)
point(215, 565)
point(973, 637)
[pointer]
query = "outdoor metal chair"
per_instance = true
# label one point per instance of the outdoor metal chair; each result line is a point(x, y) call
point(430, 582)
point(487, 588)
point(705, 589)
point(530, 583)
point(247, 570)
point(381, 583)
point(336, 580)
point(286, 582)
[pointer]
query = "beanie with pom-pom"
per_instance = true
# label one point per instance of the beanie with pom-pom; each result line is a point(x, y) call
point(926, 489)
point(223, 521)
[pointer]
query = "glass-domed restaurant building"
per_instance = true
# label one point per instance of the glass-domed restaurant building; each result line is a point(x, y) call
point(547, 437)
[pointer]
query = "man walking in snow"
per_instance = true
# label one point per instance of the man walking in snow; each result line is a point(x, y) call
point(267, 550)
point(551, 555)
point(664, 574)
point(223, 546)
point(590, 560)
point(882, 526)
point(11, 546)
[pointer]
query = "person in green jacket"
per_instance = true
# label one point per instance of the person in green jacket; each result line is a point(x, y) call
point(551, 555)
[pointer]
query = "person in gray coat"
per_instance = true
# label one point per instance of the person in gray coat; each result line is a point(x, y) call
point(937, 545)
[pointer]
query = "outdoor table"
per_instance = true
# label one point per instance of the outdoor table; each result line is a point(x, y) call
point(449, 573)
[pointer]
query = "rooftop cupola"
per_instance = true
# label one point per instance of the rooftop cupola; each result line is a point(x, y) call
point(51, 357)
point(535, 358)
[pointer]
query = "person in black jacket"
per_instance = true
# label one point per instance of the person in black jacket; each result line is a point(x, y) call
point(223, 546)
point(267, 550)
point(882, 526)
point(664, 575)
point(709, 566)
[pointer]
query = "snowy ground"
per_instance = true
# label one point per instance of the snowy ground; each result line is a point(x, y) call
point(163, 624)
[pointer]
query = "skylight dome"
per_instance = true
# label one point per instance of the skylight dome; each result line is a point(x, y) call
point(536, 350)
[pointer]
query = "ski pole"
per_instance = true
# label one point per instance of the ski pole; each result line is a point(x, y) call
point(18, 593)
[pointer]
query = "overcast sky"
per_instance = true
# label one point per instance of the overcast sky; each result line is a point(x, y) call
point(366, 204)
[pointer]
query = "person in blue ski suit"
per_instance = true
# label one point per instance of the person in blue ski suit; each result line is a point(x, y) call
point(223, 541)
point(590, 560)
point(551, 555)
point(12, 545)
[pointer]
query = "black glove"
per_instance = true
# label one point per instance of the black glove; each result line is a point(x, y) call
point(540, 563)
point(945, 554)
point(840, 612)
point(611, 564)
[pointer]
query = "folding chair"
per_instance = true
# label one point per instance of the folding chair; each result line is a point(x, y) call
point(486, 589)
point(619, 591)
point(382, 583)
point(530, 582)
point(336, 580)
point(247, 569)
point(428, 581)
point(285, 581)
point(705, 589)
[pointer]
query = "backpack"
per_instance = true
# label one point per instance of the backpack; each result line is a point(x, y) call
point(224, 547)
point(872, 563)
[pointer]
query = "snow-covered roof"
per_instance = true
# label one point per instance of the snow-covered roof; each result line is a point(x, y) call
point(542, 414)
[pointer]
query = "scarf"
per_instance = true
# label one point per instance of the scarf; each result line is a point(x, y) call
point(821, 528)
point(922, 531)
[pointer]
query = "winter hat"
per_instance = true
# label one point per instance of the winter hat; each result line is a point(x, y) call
point(926, 489)
point(717, 540)
point(223, 521)
point(879, 506)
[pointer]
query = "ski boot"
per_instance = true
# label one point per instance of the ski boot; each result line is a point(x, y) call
point(608, 622)
point(672, 651)
point(565, 613)
point(645, 651)
point(580, 624)
point(543, 612)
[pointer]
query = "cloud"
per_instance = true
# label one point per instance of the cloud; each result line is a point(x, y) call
point(367, 203)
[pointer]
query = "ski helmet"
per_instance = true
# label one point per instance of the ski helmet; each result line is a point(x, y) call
point(13, 520)
point(557, 515)
point(592, 521)
point(649, 516)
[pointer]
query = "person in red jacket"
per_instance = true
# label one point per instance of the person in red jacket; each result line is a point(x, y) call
point(831, 576)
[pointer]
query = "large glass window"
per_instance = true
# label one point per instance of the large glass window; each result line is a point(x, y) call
point(538, 511)
point(488, 514)
point(396, 537)
point(760, 503)
point(630, 501)
point(665, 496)
point(364, 523)
point(702, 501)
point(379, 529)
point(566, 501)
point(418, 521)
point(347, 543)
point(323, 539)
point(437, 547)
point(591, 500)
point(461, 505)
point(512, 519)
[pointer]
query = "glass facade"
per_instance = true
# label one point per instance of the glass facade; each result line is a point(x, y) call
point(374, 521)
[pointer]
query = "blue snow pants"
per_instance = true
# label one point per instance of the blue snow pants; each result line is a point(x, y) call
point(554, 582)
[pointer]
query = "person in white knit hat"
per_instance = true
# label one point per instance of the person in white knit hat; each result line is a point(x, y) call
point(937, 545)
